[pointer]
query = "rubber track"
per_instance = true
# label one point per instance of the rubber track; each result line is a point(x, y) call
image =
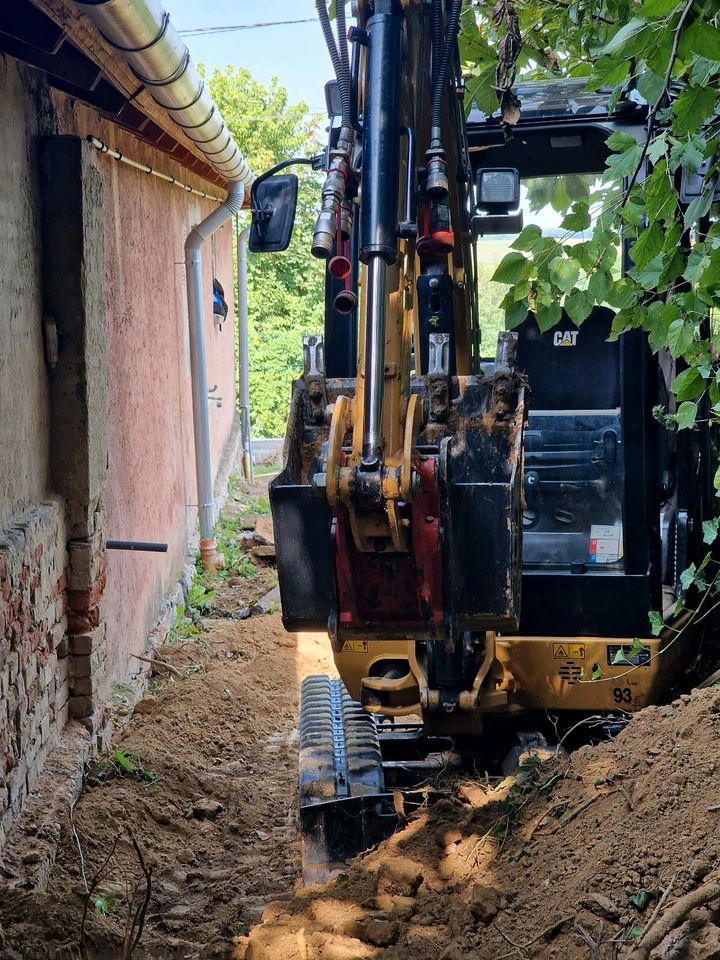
point(339, 747)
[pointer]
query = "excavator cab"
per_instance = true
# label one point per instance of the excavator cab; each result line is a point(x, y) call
point(481, 520)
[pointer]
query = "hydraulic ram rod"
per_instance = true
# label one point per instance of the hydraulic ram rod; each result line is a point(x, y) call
point(379, 210)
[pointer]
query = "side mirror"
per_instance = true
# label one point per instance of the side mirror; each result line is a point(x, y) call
point(273, 200)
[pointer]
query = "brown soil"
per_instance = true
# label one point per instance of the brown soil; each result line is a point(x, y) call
point(223, 732)
point(540, 867)
point(568, 860)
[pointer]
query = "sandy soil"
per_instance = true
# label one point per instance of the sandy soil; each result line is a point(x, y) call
point(568, 860)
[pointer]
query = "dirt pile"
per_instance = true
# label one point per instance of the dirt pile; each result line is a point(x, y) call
point(568, 860)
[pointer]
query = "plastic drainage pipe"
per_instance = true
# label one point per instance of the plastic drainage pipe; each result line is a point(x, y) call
point(196, 322)
point(243, 353)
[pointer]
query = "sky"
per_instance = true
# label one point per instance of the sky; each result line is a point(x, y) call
point(295, 54)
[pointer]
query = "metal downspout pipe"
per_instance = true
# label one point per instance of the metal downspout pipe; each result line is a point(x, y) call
point(196, 320)
point(243, 353)
point(141, 31)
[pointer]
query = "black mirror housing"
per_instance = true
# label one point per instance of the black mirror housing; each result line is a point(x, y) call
point(273, 204)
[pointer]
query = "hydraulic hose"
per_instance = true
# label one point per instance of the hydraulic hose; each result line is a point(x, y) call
point(342, 74)
point(441, 74)
point(343, 48)
point(436, 38)
point(333, 192)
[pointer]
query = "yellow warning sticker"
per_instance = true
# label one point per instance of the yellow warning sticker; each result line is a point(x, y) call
point(568, 651)
point(354, 646)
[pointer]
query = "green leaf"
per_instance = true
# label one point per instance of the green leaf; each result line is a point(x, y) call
point(564, 273)
point(629, 39)
point(687, 577)
point(697, 262)
point(620, 141)
point(686, 415)
point(634, 932)
point(710, 530)
point(704, 39)
point(656, 623)
point(688, 385)
point(660, 195)
point(648, 275)
point(622, 164)
point(548, 316)
point(578, 306)
point(700, 206)
point(658, 8)
point(640, 899)
point(516, 314)
point(657, 148)
point(691, 109)
point(622, 294)
point(607, 72)
point(702, 70)
point(527, 237)
point(579, 218)
point(648, 245)
point(658, 318)
point(513, 268)
point(650, 86)
point(688, 154)
point(597, 672)
point(680, 337)
point(599, 285)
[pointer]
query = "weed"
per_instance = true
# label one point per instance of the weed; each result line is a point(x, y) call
point(262, 505)
point(103, 903)
point(199, 600)
point(123, 764)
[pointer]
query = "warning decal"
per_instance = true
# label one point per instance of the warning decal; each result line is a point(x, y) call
point(354, 646)
point(568, 651)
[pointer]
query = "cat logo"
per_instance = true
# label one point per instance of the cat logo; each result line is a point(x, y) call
point(565, 338)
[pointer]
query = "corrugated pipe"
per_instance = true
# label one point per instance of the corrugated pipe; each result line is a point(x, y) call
point(141, 31)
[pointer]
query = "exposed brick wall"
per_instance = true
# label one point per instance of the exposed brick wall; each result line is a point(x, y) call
point(34, 661)
point(86, 624)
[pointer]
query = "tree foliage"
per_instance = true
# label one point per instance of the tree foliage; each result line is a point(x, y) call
point(285, 290)
point(669, 53)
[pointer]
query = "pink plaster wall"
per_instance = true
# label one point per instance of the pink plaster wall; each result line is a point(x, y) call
point(151, 488)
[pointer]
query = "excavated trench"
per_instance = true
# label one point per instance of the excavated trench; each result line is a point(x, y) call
point(573, 858)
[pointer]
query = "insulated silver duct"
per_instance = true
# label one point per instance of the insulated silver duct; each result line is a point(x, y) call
point(142, 32)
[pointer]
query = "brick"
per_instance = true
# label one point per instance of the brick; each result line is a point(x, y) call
point(84, 686)
point(80, 666)
point(55, 636)
point(79, 565)
point(82, 644)
point(79, 707)
point(14, 664)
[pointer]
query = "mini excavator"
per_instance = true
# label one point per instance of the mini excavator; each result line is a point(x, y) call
point(482, 534)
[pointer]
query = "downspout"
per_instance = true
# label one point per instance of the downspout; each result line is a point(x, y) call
point(141, 31)
point(243, 353)
point(196, 320)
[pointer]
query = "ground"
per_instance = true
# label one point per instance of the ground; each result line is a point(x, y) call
point(568, 859)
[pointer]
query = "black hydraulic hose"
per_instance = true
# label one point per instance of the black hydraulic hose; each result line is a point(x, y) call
point(436, 37)
point(440, 77)
point(343, 78)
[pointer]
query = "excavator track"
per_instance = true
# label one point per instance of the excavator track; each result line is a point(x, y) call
point(344, 807)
